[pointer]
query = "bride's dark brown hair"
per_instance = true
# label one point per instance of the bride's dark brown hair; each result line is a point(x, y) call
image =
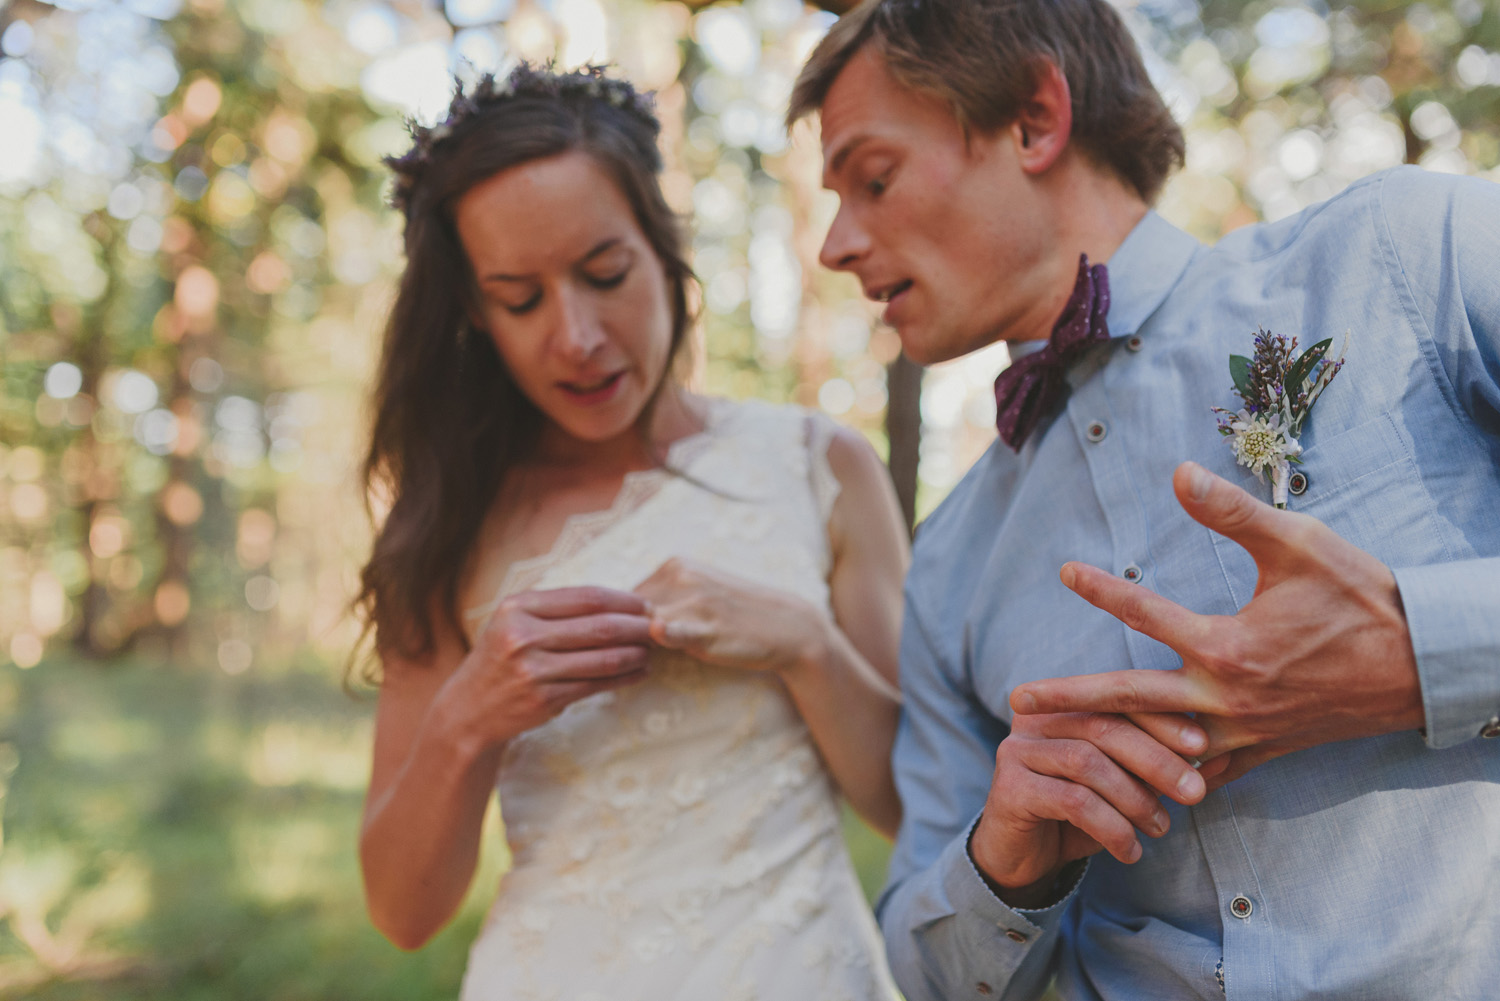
point(449, 422)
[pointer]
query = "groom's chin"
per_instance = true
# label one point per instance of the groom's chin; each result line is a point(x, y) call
point(931, 345)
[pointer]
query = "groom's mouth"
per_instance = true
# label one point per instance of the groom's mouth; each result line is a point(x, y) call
point(886, 293)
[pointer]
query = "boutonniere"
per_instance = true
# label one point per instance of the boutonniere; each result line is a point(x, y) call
point(1278, 387)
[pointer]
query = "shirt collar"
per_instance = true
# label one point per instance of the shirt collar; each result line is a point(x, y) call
point(1143, 271)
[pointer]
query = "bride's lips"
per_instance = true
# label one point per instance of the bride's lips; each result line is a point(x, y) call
point(593, 391)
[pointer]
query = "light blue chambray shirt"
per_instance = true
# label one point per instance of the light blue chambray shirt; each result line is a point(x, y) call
point(1372, 867)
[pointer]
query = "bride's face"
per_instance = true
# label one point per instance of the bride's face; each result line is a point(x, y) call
point(571, 292)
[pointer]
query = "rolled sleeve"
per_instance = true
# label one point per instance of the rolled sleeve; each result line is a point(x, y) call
point(1453, 612)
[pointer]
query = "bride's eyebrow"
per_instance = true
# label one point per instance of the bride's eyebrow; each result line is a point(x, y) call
point(603, 247)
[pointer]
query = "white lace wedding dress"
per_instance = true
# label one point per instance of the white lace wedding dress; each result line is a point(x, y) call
point(680, 838)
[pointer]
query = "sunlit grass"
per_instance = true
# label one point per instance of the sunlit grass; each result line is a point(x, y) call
point(183, 836)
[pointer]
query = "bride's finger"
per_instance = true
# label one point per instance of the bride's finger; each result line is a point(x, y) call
point(550, 668)
point(677, 634)
point(590, 631)
point(569, 602)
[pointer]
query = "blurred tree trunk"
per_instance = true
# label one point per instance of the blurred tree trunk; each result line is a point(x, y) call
point(903, 428)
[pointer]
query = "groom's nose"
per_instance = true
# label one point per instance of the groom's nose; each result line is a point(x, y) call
point(845, 243)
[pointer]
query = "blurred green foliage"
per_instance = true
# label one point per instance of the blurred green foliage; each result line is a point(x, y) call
point(189, 835)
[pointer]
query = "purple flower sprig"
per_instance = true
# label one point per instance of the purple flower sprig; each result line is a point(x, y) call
point(1276, 381)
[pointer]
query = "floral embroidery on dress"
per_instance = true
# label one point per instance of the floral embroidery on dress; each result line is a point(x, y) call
point(682, 836)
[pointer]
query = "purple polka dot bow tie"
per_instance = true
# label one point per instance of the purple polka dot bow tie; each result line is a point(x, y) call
point(1032, 384)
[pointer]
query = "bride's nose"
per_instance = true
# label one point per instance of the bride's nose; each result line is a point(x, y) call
point(577, 333)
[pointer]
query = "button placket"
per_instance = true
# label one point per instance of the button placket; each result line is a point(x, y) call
point(1091, 407)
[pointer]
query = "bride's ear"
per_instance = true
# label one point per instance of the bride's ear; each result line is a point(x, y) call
point(1044, 123)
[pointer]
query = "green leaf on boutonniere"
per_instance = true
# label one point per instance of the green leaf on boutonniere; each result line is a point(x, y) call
point(1239, 371)
point(1303, 367)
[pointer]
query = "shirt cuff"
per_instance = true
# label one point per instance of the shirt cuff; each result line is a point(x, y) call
point(970, 893)
point(1453, 613)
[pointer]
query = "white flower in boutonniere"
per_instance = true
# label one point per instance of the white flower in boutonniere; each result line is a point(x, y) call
point(1262, 444)
point(1279, 388)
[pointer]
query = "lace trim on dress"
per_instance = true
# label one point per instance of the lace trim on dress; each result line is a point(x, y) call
point(819, 432)
point(580, 530)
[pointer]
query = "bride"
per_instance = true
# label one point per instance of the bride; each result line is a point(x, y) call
point(662, 626)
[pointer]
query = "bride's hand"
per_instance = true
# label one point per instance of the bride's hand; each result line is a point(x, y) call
point(725, 620)
point(542, 650)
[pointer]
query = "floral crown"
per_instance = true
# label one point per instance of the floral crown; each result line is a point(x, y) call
point(590, 83)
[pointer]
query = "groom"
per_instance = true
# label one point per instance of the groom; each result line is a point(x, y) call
point(989, 157)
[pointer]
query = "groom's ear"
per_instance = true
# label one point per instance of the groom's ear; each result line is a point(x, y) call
point(1044, 123)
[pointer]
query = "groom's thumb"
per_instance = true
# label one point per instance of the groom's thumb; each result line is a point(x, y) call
point(1219, 505)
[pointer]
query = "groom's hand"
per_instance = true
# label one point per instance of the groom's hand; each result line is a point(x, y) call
point(1067, 785)
point(1321, 653)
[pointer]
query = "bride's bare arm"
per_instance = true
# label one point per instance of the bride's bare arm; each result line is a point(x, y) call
point(841, 673)
point(871, 551)
point(441, 725)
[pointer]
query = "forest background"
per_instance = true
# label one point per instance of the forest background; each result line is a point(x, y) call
point(195, 262)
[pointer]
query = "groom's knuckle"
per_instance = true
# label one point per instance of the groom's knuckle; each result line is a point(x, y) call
point(1134, 612)
point(1101, 728)
point(1225, 654)
point(1076, 758)
point(1075, 801)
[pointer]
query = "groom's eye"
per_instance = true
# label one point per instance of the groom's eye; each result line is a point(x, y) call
point(879, 172)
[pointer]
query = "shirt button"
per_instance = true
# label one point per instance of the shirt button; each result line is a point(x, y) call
point(1241, 907)
point(1131, 573)
point(1014, 935)
point(1096, 431)
point(984, 988)
point(1492, 728)
point(1297, 483)
point(1134, 343)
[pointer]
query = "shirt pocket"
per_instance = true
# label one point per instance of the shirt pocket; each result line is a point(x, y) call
point(1363, 483)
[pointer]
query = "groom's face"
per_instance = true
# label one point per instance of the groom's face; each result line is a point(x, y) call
point(941, 226)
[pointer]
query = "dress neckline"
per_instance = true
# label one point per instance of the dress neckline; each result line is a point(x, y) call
point(583, 527)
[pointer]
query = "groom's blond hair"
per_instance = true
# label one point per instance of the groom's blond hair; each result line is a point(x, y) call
point(982, 57)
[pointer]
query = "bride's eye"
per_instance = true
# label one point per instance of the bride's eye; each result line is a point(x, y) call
point(607, 281)
point(520, 309)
